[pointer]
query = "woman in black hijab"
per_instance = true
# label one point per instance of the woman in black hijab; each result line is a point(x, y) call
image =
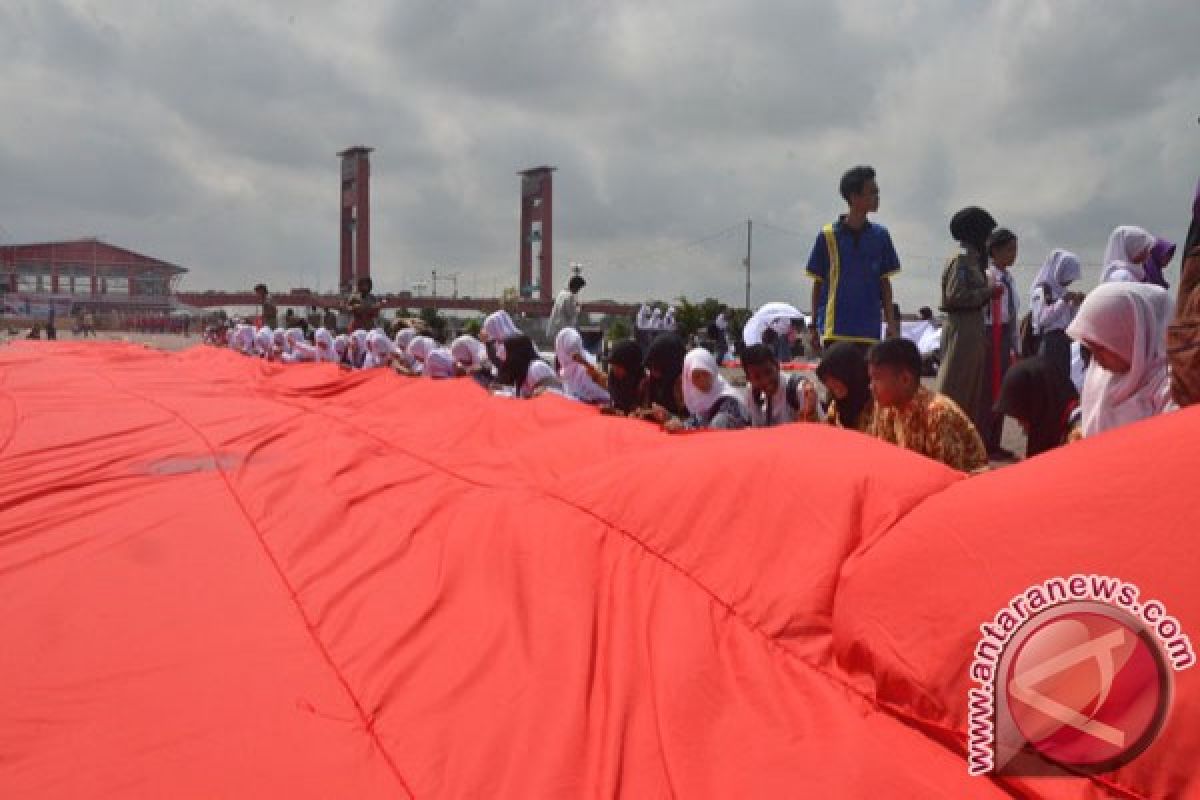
point(518, 354)
point(664, 367)
point(843, 371)
point(1042, 402)
point(965, 292)
point(625, 375)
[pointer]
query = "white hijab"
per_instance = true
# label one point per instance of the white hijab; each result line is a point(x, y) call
point(537, 374)
point(698, 402)
point(1125, 244)
point(341, 345)
point(499, 326)
point(656, 321)
point(643, 317)
point(243, 339)
point(1130, 319)
point(418, 350)
point(403, 337)
point(440, 363)
point(1059, 270)
point(576, 380)
point(379, 350)
point(771, 314)
point(326, 351)
point(469, 352)
point(669, 319)
point(264, 341)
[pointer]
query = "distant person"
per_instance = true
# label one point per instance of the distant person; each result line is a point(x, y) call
point(720, 334)
point(1043, 404)
point(565, 313)
point(268, 310)
point(329, 320)
point(966, 291)
point(1000, 331)
point(1125, 255)
point(363, 306)
point(1124, 326)
point(51, 331)
point(911, 416)
point(851, 264)
point(1156, 264)
point(1052, 307)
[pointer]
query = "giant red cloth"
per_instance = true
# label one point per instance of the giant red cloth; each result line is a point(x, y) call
point(225, 578)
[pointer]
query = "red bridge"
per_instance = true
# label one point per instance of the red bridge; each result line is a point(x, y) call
point(484, 305)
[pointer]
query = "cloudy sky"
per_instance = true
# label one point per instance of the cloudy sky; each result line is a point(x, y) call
point(204, 132)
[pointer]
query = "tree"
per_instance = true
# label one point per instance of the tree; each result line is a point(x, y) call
point(618, 331)
point(691, 318)
point(473, 327)
point(435, 321)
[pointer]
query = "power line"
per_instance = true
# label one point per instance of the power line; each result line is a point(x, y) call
point(617, 261)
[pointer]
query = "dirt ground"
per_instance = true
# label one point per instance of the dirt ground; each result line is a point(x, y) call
point(1013, 439)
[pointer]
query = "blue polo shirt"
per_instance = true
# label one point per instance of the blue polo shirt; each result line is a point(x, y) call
point(850, 302)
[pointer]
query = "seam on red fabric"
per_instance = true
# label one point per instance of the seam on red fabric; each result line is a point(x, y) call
point(888, 708)
point(368, 721)
point(891, 709)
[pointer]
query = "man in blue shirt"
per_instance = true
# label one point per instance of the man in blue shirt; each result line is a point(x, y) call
point(851, 265)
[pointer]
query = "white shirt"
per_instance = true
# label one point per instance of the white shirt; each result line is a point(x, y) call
point(1004, 279)
point(565, 312)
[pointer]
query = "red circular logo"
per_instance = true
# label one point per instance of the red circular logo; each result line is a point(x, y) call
point(1087, 688)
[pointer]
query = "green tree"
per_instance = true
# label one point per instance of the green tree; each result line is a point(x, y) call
point(473, 327)
point(619, 330)
point(435, 321)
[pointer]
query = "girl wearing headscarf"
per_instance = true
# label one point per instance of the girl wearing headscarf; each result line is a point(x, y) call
point(581, 379)
point(471, 356)
point(497, 328)
point(403, 337)
point(341, 347)
point(966, 290)
point(264, 342)
point(358, 348)
point(325, 346)
point(1046, 406)
point(539, 379)
point(843, 371)
point(663, 384)
point(519, 354)
point(669, 319)
point(380, 350)
point(418, 350)
point(1126, 253)
point(243, 339)
point(1052, 308)
point(656, 320)
point(440, 363)
point(298, 348)
point(1124, 325)
point(1160, 256)
point(625, 374)
point(710, 400)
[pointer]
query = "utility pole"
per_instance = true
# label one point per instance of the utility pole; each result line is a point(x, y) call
point(434, 284)
point(749, 241)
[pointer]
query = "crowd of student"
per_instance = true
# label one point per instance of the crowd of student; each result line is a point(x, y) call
point(868, 379)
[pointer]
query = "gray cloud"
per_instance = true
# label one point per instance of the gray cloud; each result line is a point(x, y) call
point(205, 133)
